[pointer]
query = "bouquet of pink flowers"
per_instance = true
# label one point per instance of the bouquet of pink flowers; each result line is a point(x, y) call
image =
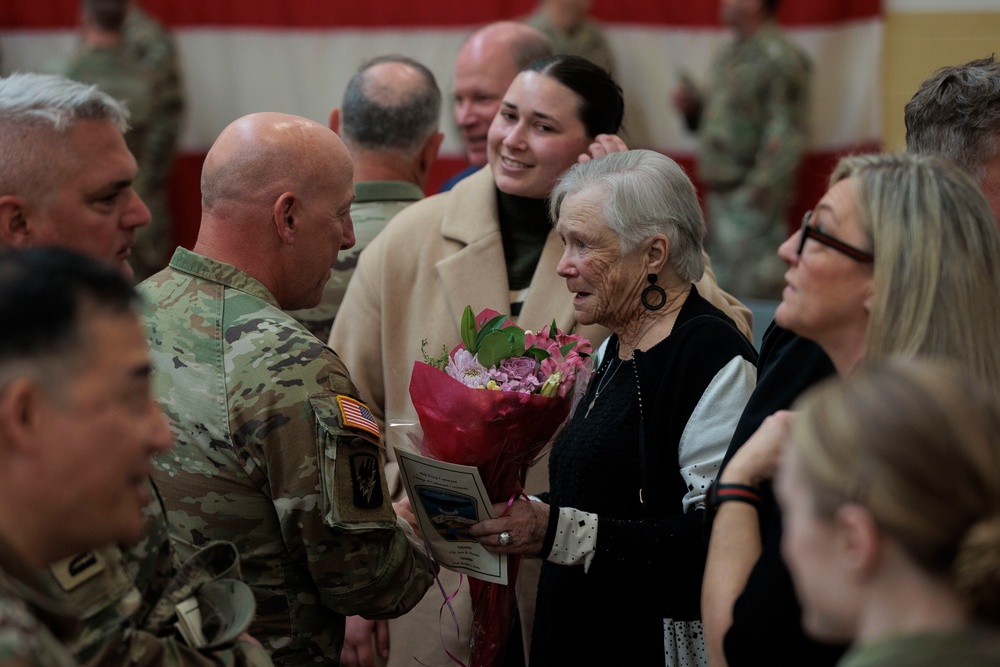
point(494, 402)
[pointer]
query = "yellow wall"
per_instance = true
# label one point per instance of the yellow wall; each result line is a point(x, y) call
point(917, 44)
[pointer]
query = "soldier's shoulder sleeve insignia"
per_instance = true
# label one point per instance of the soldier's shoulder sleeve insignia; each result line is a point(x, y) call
point(356, 414)
point(366, 480)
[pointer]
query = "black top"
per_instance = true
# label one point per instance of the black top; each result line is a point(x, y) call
point(524, 228)
point(648, 560)
point(767, 623)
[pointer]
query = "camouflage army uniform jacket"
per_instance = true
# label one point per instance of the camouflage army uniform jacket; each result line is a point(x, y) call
point(587, 40)
point(276, 454)
point(148, 44)
point(34, 623)
point(754, 128)
point(125, 598)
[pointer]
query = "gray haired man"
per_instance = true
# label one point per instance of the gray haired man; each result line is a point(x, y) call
point(956, 114)
point(389, 122)
point(66, 174)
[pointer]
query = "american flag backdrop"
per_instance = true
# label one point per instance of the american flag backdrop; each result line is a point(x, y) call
point(296, 56)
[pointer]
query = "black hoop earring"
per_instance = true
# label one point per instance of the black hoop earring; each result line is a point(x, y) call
point(653, 302)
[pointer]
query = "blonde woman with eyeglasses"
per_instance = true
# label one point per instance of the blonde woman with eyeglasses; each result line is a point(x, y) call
point(901, 257)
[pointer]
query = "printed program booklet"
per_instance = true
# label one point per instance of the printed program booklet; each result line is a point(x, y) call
point(446, 499)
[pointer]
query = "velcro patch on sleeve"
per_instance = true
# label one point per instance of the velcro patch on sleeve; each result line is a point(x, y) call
point(366, 480)
point(356, 414)
point(75, 570)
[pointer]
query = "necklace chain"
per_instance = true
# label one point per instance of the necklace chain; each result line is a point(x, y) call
point(605, 379)
point(602, 384)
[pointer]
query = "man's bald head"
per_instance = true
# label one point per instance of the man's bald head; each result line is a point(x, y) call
point(276, 198)
point(485, 67)
point(392, 103)
point(259, 156)
point(519, 42)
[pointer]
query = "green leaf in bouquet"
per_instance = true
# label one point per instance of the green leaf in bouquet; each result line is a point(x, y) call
point(538, 353)
point(500, 345)
point(469, 330)
point(565, 349)
point(490, 326)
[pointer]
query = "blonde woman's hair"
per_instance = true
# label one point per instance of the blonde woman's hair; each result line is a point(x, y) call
point(936, 279)
point(917, 443)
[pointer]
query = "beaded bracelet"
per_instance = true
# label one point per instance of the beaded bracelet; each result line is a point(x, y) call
point(720, 493)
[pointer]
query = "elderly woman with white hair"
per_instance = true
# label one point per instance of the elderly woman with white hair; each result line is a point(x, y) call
point(628, 475)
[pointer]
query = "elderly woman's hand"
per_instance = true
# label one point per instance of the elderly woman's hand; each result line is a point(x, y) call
point(757, 460)
point(405, 512)
point(603, 145)
point(525, 523)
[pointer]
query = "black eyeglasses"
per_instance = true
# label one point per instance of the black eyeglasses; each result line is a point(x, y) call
point(812, 232)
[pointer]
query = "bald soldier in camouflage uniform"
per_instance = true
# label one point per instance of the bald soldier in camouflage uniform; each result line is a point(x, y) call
point(753, 129)
point(275, 450)
point(389, 122)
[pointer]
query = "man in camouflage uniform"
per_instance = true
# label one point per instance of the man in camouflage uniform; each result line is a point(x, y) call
point(566, 24)
point(66, 179)
point(389, 122)
point(147, 44)
point(752, 128)
point(78, 426)
point(275, 450)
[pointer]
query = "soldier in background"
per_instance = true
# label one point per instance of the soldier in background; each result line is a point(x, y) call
point(752, 126)
point(389, 122)
point(78, 426)
point(149, 45)
point(275, 450)
point(566, 24)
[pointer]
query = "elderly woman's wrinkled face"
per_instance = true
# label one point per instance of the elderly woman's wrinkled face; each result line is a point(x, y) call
point(606, 285)
point(828, 292)
point(536, 135)
point(813, 548)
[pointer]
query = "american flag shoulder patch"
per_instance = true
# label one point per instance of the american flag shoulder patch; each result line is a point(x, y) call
point(356, 414)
